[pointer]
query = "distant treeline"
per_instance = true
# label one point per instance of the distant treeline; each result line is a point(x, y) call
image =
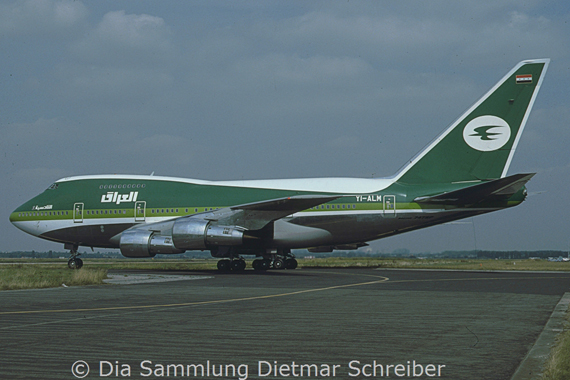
point(475, 254)
point(400, 253)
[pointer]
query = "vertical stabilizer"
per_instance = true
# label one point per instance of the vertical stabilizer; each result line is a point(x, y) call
point(481, 143)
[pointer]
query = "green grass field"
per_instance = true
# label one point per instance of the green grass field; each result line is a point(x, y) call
point(22, 276)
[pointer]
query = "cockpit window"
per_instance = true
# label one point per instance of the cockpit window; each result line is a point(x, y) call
point(53, 186)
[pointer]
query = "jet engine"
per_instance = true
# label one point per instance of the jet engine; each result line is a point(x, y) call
point(198, 234)
point(184, 234)
point(140, 243)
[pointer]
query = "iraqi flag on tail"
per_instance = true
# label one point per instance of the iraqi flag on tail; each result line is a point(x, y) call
point(527, 78)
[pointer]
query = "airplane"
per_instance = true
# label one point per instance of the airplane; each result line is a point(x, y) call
point(460, 174)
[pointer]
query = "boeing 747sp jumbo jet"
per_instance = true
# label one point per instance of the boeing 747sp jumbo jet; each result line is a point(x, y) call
point(462, 173)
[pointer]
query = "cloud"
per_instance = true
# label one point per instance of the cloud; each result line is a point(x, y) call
point(121, 63)
point(126, 39)
point(40, 17)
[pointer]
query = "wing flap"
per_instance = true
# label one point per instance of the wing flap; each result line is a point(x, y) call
point(491, 190)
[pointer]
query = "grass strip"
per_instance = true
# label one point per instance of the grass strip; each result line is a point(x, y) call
point(458, 264)
point(21, 276)
point(557, 366)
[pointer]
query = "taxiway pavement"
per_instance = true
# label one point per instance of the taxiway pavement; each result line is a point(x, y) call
point(341, 323)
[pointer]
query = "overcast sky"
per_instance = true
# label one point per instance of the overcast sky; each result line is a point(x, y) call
point(224, 90)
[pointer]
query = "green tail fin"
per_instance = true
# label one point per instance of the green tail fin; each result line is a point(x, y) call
point(481, 143)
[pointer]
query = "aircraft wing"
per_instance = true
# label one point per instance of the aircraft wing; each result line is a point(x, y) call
point(254, 216)
point(487, 191)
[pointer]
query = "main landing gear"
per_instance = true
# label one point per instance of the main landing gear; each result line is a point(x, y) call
point(277, 263)
point(277, 260)
point(236, 265)
point(280, 259)
point(74, 261)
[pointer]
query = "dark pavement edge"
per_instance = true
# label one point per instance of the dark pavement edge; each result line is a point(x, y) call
point(532, 365)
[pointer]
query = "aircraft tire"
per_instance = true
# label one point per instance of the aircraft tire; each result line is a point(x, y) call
point(72, 264)
point(79, 263)
point(238, 265)
point(261, 264)
point(278, 264)
point(224, 265)
point(257, 264)
point(291, 264)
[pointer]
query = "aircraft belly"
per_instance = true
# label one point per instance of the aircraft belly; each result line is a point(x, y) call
point(88, 235)
point(352, 228)
point(355, 228)
point(298, 236)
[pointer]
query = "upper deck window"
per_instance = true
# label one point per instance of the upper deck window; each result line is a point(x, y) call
point(121, 186)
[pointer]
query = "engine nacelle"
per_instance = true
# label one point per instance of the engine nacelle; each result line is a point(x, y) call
point(197, 234)
point(139, 243)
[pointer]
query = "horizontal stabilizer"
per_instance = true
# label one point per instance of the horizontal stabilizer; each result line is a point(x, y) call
point(497, 189)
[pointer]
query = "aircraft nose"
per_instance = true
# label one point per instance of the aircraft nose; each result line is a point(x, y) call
point(18, 219)
point(14, 216)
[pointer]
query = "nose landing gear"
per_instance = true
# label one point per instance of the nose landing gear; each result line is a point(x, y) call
point(74, 261)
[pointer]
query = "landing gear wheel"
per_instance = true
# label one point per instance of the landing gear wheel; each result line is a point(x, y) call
point(74, 263)
point(278, 264)
point(291, 263)
point(261, 264)
point(238, 265)
point(224, 265)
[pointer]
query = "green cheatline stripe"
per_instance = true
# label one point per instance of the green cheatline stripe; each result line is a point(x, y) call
point(129, 213)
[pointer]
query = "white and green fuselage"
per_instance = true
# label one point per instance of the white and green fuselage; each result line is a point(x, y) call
point(92, 210)
point(460, 174)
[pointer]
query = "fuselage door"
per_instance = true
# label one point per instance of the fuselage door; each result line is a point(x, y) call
point(78, 213)
point(140, 209)
point(389, 206)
